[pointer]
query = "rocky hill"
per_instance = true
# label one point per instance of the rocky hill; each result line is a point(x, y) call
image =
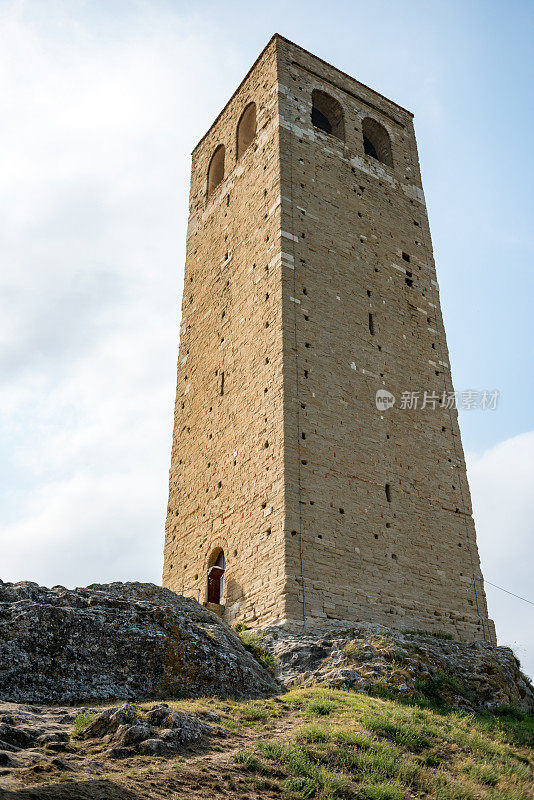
point(136, 641)
point(371, 658)
point(118, 641)
point(352, 710)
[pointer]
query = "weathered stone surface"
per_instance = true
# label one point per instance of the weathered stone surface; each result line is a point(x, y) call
point(366, 657)
point(119, 640)
point(130, 729)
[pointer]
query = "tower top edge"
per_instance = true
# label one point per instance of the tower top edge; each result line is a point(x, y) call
point(277, 37)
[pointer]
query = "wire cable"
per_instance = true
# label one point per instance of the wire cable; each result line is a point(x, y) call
point(509, 592)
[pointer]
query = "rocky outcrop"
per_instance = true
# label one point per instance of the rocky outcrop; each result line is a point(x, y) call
point(155, 731)
point(37, 740)
point(118, 641)
point(374, 658)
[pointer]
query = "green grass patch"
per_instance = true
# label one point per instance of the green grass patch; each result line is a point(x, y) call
point(367, 747)
point(252, 642)
point(82, 721)
point(320, 707)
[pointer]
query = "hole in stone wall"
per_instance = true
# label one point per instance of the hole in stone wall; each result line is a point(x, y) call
point(406, 257)
point(371, 325)
point(388, 492)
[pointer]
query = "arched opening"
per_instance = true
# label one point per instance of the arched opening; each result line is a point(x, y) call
point(216, 578)
point(376, 142)
point(246, 129)
point(327, 114)
point(216, 169)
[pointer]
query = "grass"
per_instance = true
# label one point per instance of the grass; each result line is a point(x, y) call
point(321, 744)
point(82, 721)
point(251, 641)
point(379, 749)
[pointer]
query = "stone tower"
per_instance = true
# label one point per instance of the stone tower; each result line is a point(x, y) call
point(309, 287)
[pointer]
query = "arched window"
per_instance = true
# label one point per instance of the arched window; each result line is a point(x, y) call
point(216, 577)
point(246, 129)
point(216, 169)
point(376, 142)
point(327, 114)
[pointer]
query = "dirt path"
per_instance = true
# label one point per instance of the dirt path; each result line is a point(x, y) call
point(49, 763)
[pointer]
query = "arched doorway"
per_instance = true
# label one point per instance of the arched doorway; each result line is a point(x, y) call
point(216, 579)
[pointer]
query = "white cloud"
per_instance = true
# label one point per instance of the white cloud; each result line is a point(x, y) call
point(93, 203)
point(501, 488)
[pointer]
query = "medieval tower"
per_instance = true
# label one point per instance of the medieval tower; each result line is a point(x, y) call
point(309, 287)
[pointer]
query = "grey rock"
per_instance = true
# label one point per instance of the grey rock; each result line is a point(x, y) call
point(5, 759)
point(16, 736)
point(124, 641)
point(127, 729)
point(133, 734)
point(51, 738)
point(468, 675)
point(153, 747)
point(118, 752)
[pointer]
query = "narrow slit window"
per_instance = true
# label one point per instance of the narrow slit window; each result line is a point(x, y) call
point(371, 325)
point(388, 492)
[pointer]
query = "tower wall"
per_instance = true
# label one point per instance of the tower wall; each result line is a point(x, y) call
point(226, 479)
point(314, 239)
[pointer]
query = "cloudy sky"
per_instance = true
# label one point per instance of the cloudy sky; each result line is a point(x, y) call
point(101, 104)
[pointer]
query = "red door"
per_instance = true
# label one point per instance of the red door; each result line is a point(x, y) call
point(216, 580)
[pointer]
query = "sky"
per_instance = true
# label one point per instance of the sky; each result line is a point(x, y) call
point(101, 104)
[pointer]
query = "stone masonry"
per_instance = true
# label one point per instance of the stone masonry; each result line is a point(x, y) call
point(309, 286)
